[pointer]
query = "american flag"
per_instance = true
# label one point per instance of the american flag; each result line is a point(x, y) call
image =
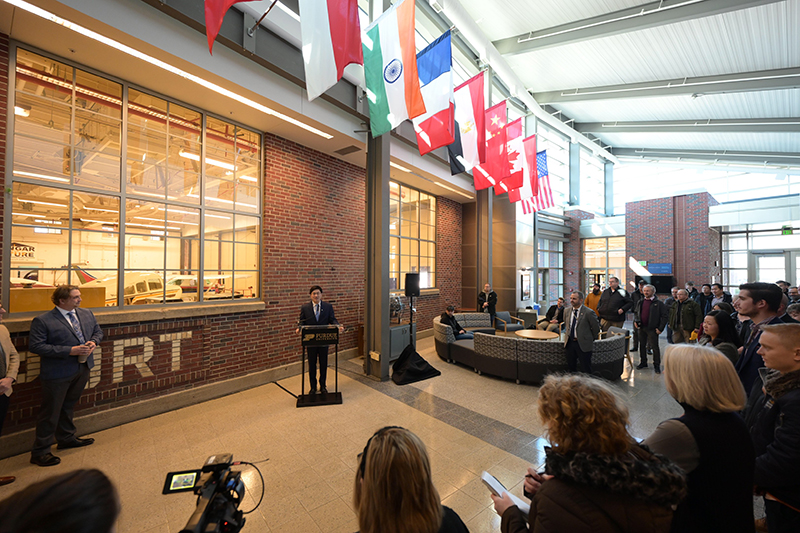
point(544, 197)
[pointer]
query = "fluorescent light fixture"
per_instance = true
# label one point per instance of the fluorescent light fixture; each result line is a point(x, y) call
point(39, 12)
point(171, 221)
point(22, 110)
point(398, 167)
point(41, 203)
point(100, 209)
point(97, 221)
point(41, 176)
point(45, 221)
point(149, 226)
point(248, 178)
point(209, 161)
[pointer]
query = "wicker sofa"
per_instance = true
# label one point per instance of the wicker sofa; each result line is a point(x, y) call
point(523, 359)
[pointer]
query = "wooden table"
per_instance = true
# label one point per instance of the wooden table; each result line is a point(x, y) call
point(537, 334)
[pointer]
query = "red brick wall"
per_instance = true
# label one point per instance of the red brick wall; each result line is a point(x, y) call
point(313, 233)
point(573, 252)
point(649, 233)
point(673, 230)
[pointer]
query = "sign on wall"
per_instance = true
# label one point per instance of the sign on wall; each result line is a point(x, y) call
point(22, 252)
point(660, 268)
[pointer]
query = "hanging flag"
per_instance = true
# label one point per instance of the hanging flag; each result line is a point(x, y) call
point(215, 12)
point(435, 128)
point(530, 176)
point(544, 199)
point(390, 69)
point(514, 156)
point(470, 117)
point(331, 37)
point(455, 152)
point(496, 157)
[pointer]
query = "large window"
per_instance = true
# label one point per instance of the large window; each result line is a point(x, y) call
point(137, 199)
point(603, 258)
point(550, 271)
point(412, 234)
point(557, 148)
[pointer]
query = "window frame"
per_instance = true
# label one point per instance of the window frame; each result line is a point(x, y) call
point(123, 196)
point(398, 234)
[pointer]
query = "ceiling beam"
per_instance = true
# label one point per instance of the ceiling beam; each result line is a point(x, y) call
point(724, 156)
point(645, 16)
point(756, 125)
point(760, 80)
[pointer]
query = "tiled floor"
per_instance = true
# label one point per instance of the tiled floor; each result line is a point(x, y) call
point(469, 423)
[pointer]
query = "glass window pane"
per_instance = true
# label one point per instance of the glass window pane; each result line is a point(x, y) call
point(218, 286)
point(144, 252)
point(182, 254)
point(734, 259)
point(38, 247)
point(245, 285)
point(594, 244)
point(594, 259)
point(616, 243)
point(218, 225)
point(44, 77)
point(218, 256)
point(143, 287)
point(617, 259)
point(95, 249)
point(246, 229)
point(247, 256)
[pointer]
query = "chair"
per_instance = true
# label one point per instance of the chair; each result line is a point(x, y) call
point(503, 321)
point(613, 330)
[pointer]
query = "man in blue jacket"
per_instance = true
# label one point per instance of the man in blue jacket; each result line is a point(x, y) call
point(64, 339)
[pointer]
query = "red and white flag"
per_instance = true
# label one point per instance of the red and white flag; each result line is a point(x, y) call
point(215, 12)
point(515, 156)
point(470, 119)
point(530, 177)
point(331, 38)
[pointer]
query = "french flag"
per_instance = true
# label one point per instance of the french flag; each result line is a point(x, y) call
point(330, 33)
point(435, 128)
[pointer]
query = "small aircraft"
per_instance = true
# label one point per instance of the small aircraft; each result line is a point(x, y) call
point(25, 282)
point(141, 287)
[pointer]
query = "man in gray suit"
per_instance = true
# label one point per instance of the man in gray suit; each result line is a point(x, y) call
point(582, 329)
point(64, 339)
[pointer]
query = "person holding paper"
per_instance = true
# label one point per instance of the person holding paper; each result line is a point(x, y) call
point(598, 477)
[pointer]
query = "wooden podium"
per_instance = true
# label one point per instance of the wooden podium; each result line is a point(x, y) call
point(312, 336)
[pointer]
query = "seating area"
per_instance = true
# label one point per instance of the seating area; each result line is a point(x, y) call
point(523, 360)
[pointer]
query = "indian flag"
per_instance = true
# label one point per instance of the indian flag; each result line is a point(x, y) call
point(390, 69)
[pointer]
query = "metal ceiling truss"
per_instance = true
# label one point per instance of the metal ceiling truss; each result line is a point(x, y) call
point(763, 80)
point(757, 125)
point(645, 16)
point(715, 156)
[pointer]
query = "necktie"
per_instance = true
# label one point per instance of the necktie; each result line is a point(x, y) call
point(316, 311)
point(574, 323)
point(77, 327)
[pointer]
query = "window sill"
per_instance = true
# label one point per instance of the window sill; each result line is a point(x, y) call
point(127, 316)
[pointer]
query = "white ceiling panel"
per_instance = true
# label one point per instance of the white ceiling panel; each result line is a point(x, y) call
point(747, 142)
point(762, 104)
point(758, 38)
point(506, 18)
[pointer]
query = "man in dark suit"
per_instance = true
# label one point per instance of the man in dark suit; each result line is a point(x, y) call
point(64, 339)
point(317, 313)
point(487, 302)
point(582, 329)
point(650, 318)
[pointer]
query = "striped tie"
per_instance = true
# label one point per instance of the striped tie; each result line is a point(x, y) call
point(77, 327)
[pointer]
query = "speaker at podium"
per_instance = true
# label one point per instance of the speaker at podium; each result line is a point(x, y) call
point(412, 284)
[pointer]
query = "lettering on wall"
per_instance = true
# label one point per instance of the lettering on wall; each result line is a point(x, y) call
point(22, 252)
point(119, 360)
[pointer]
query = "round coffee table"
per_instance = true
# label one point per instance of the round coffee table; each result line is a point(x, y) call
point(537, 334)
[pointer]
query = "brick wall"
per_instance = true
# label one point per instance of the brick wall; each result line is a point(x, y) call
point(313, 233)
point(573, 252)
point(649, 233)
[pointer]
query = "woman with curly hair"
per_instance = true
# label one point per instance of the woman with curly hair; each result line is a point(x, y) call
point(710, 442)
point(394, 492)
point(596, 478)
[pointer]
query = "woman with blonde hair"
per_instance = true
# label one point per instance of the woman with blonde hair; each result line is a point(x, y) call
point(597, 478)
point(709, 442)
point(394, 492)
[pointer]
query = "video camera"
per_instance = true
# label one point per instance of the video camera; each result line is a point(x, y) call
point(219, 492)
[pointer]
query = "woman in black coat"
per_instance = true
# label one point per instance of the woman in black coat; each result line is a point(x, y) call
point(710, 441)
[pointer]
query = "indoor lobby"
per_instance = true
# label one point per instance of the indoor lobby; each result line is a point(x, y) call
point(469, 423)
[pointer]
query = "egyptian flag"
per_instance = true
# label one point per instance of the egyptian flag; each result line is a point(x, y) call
point(469, 101)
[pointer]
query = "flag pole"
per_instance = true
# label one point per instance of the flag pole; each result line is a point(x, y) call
point(253, 29)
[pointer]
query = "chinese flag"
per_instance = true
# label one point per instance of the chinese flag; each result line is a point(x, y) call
point(496, 164)
point(215, 12)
